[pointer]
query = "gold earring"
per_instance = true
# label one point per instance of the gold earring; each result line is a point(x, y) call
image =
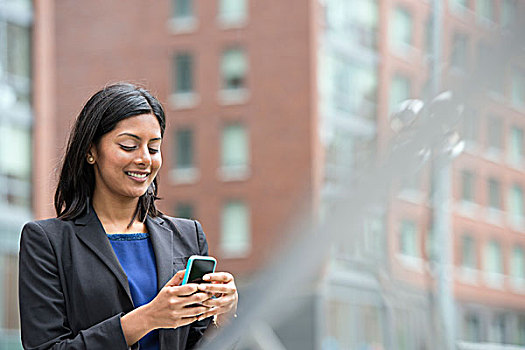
point(91, 160)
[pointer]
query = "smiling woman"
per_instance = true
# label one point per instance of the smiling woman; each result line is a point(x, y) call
point(106, 272)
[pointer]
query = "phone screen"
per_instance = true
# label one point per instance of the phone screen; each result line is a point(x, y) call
point(198, 269)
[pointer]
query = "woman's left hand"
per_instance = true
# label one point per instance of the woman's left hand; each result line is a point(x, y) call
point(222, 286)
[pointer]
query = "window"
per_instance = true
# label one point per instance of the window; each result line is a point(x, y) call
point(494, 72)
point(518, 88)
point(494, 133)
point(235, 150)
point(15, 59)
point(233, 69)
point(508, 12)
point(470, 126)
point(516, 204)
point(184, 210)
point(459, 57)
point(15, 167)
point(183, 79)
point(399, 91)
point(493, 258)
point(232, 11)
point(485, 9)
point(468, 252)
point(516, 145)
point(497, 329)
point(401, 30)
point(521, 330)
point(494, 194)
point(235, 229)
point(408, 239)
point(467, 186)
point(472, 327)
point(182, 9)
point(518, 263)
point(184, 152)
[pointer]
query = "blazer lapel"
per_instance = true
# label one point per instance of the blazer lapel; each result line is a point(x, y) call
point(91, 232)
point(162, 241)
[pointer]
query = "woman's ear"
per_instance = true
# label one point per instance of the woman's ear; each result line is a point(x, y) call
point(91, 156)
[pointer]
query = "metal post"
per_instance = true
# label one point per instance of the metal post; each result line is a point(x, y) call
point(441, 204)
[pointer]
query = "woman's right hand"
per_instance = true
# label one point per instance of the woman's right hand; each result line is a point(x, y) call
point(169, 309)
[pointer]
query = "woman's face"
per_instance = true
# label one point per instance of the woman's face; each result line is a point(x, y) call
point(128, 158)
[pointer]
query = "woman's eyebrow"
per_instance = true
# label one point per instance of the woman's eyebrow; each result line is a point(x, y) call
point(137, 137)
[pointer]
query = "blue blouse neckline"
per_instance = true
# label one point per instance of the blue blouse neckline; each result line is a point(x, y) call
point(127, 236)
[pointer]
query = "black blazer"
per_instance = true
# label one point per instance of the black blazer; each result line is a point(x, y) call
point(73, 291)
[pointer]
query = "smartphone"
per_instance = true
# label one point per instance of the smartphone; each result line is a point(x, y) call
point(197, 267)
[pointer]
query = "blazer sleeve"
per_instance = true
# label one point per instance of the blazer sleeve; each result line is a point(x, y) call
point(43, 316)
point(198, 328)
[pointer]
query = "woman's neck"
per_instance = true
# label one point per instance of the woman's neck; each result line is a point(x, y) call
point(115, 215)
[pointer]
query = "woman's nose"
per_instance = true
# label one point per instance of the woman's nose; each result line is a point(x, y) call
point(144, 157)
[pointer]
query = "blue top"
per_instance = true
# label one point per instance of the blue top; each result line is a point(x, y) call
point(136, 256)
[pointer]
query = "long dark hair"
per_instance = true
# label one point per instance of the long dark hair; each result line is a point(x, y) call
point(99, 116)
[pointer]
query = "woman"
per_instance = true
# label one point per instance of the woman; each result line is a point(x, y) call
point(106, 272)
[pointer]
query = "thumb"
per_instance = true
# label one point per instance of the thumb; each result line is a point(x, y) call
point(176, 279)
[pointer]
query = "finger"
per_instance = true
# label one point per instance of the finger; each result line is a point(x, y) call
point(217, 288)
point(223, 277)
point(183, 321)
point(193, 311)
point(176, 279)
point(209, 313)
point(225, 301)
point(199, 297)
point(185, 290)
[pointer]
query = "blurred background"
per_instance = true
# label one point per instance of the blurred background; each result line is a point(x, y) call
point(282, 114)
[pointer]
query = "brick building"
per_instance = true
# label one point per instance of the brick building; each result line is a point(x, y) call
point(270, 104)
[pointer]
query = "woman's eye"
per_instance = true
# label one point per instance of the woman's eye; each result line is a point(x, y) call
point(128, 148)
point(153, 150)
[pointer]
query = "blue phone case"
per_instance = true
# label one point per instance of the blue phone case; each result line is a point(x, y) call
point(190, 264)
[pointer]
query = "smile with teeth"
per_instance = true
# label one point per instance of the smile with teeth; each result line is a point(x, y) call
point(137, 175)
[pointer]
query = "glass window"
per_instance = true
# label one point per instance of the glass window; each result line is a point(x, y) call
point(518, 263)
point(16, 165)
point(494, 194)
point(508, 12)
point(472, 327)
point(232, 10)
point(467, 186)
point(183, 79)
point(233, 69)
point(235, 151)
point(354, 87)
point(409, 241)
point(184, 210)
point(459, 57)
point(235, 229)
point(184, 152)
point(18, 50)
point(182, 8)
point(521, 330)
point(485, 9)
point(468, 252)
point(401, 30)
point(518, 88)
point(516, 203)
point(399, 91)
point(495, 133)
point(493, 258)
point(516, 145)
point(497, 329)
point(470, 126)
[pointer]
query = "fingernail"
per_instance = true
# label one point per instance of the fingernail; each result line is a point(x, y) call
point(206, 277)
